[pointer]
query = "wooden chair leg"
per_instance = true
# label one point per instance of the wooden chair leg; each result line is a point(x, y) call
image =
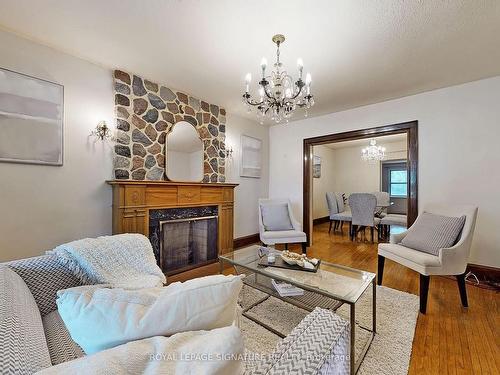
point(462, 289)
point(330, 229)
point(424, 291)
point(371, 232)
point(380, 269)
point(341, 225)
point(350, 229)
point(286, 246)
point(304, 248)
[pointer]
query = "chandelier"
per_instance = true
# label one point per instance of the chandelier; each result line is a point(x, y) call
point(279, 95)
point(373, 153)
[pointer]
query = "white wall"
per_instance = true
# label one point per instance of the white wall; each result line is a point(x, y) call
point(43, 206)
point(250, 189)
point(353, 175)
point(458, 151)
point(343, 170)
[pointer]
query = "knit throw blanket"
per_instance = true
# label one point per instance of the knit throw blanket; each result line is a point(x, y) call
point(124, 260)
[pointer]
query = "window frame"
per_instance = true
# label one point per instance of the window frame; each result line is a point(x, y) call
point(390, 183)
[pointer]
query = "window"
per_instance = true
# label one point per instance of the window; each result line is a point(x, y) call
point(398, 183)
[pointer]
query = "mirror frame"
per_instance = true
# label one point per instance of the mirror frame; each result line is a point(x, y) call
point(202, 155)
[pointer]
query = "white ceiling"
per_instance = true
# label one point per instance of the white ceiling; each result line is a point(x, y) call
point(358, 51)
point(364, 142)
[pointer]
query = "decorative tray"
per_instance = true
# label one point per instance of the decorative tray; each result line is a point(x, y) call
point(280, 263)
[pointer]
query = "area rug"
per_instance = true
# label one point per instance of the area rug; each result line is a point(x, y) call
point(390, 350)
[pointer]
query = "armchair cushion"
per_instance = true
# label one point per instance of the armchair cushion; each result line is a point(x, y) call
point(419, 261)
point(283, 236)
point(432, 232)
point(275, 217)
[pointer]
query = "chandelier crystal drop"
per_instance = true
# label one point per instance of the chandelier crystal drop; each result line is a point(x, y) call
point(373, 153)
point(278, 95)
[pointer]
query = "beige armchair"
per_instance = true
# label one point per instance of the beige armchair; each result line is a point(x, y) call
point(449, 261)
point(277, 224)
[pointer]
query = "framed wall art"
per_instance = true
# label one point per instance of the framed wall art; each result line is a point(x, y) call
point(316, 166)
point(31, 119)
point(251, 157)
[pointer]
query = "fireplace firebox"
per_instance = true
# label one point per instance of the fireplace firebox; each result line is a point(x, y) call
point(184, 238)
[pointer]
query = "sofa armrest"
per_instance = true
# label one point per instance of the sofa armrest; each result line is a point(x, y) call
point(397, 238)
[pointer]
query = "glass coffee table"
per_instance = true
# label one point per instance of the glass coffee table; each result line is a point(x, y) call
point(329, 287)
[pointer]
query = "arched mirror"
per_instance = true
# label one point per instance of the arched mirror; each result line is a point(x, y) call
point(184, 154)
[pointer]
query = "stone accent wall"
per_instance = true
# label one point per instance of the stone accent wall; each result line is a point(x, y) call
point(146, 113)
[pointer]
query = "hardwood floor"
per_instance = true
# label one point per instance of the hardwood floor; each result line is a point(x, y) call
point(449, 339)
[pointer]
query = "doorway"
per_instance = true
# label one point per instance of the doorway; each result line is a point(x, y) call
point(410, 129)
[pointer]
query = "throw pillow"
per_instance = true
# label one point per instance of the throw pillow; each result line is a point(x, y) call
point(99, 318)
point(275, 217)
point(432, 232)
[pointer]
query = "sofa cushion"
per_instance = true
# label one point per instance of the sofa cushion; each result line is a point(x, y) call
point(23, 349)
point(36, 271)
point(62, 348)
point(432, 232)
point(101, 318)
point(275, 216)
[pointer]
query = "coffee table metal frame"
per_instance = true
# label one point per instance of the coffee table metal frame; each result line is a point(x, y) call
point(261, 270)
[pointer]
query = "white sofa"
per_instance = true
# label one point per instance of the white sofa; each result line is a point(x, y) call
point(33, 336)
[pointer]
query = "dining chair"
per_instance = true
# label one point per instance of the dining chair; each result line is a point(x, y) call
point(363, 213)
point(338, 213)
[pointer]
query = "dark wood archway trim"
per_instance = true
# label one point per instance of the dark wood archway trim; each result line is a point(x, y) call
point(411, 130)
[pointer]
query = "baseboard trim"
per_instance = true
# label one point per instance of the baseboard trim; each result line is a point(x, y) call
point(321, 220)
point(488, 274)
point(246, 240)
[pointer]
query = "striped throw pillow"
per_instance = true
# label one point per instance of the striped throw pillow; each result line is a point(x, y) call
point(432, 232)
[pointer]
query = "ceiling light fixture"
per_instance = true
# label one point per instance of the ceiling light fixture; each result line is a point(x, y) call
point(278, 95)
point(373, 153)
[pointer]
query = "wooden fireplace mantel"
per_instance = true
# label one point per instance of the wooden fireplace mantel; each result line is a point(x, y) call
point(132, 201)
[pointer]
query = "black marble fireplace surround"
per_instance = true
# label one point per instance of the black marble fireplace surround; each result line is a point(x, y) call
point(156, 217)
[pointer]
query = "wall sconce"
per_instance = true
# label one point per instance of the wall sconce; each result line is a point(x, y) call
point(228, 153)
point(102, 131)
